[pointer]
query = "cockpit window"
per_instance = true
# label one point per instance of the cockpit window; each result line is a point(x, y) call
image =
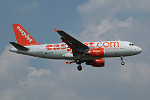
point(131, 44)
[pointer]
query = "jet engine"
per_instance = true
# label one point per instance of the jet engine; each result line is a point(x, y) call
point(96, 62)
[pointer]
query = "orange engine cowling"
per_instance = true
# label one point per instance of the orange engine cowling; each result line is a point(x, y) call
point(97, 52)
point(98, 62)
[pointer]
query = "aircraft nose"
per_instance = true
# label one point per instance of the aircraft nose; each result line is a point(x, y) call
point(138, 50)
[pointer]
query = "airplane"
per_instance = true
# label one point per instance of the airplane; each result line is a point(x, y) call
point(90, 53)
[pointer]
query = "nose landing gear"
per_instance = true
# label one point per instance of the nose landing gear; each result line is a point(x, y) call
point(122, 62)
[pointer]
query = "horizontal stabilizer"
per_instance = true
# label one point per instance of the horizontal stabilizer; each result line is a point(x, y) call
point(18, 46)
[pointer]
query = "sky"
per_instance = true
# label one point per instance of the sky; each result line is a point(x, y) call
point(28, 78)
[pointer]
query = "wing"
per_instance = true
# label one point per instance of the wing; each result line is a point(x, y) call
point(76, 46)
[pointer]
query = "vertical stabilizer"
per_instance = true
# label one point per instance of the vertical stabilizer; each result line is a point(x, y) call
point(22, 36)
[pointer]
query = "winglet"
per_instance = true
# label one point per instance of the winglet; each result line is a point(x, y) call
point(56, 30)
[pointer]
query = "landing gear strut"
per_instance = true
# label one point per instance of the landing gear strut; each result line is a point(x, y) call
point(122, 62)
point(78, 61)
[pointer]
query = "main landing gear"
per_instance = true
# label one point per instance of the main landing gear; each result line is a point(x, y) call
point(79, 67)
point(79, 63)
point(122, 62)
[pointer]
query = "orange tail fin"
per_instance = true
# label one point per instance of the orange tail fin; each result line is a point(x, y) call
point(22, 36)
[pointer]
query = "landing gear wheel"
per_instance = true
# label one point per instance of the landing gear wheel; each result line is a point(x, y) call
point(122, 63)
point(79, 67)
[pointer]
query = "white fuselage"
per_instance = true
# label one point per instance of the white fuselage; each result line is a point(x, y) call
point(61, 50)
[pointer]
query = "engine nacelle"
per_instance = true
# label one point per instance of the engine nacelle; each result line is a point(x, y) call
point(96, 62)
point(97, 52)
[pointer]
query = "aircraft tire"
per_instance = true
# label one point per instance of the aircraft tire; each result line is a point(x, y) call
point(122, 63)
point(79, 67)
